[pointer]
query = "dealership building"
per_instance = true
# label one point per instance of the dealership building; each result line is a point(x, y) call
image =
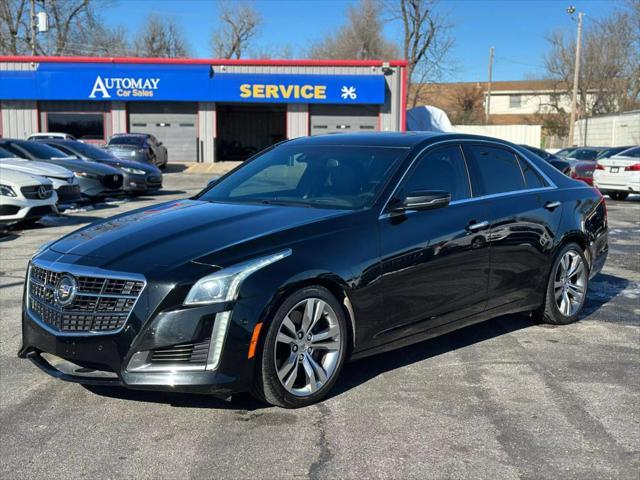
point(202, 110)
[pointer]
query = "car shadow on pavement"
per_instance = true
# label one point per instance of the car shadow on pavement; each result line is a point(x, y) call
point(603, 289)
point(185, 400)
point(175, 168)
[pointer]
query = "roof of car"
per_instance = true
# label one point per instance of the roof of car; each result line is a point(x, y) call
point(384, 139)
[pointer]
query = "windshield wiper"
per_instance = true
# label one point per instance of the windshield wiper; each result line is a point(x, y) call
point(292, 203)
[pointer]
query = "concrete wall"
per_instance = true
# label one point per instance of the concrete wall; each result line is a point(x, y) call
point(608, 131)
point(526, 134)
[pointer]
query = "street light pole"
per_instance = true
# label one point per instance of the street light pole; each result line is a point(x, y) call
point(576, 76)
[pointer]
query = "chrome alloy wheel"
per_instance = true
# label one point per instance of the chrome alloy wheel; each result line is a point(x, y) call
point(570, 283)
point(307, 347)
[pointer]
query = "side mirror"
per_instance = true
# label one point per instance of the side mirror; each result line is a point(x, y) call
point(423, 200)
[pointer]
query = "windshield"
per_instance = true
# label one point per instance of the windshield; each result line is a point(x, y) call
point(40, 150)
point(132, 140)
point(6, 153)
point(90, 151)
point(344, 177)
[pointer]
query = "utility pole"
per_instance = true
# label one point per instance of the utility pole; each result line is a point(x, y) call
point(33, 27)
point(576, 76)
point(487, 112)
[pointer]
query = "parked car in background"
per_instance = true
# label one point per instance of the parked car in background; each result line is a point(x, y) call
point(96, 181)
point(584, 153)
point(267, 281)
point(560, 164)
point(58, 135)
point(611, 151)
point(618, 176)
point(139, 177)
point(24, 197)
point(138, 147)
point(64, 181)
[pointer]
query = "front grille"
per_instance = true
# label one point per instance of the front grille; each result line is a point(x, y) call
point(100, 304)
point(39, 211)
point(112, 181)
point(31, 192)
point(183, 353)
point(68, 193)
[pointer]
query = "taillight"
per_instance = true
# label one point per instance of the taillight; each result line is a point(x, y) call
point(599, 167)
point(633, 168)
point(573, 174)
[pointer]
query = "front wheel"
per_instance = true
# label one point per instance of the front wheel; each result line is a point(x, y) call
point(304, 349)
point(567, 286)
point(618, 195)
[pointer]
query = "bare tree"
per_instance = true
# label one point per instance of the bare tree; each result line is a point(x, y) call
point(66, 19)
point(467, 107)
point(161, 37)
point(360, 38)
point(240, 25)
point(426, 43)
point(610, 64)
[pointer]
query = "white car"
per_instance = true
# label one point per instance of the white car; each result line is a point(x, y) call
point(25, 197)
point(51, 136)
point(64, 181)
point(618, 176)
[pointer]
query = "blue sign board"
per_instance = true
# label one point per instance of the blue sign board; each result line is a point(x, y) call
point(136, 82)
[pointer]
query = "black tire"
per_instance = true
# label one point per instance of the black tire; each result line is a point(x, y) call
point(550, 313)
point(267, 386)
point(618, 195)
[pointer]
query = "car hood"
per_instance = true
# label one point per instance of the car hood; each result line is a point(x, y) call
point(117, 163)
point(33, 167)
point(83, 166)
point(17, 178)
point(179, 231)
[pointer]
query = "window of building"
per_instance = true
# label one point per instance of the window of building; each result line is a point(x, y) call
point(515, 101)
point(440, 169)
point(83, 126)
point(493, 170)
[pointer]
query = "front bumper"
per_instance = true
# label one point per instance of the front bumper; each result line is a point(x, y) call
point(108, 358)
point(16, 209)
point(100, 187)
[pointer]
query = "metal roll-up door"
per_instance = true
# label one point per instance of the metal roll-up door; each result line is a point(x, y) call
point(173, 123)
point(343, 118)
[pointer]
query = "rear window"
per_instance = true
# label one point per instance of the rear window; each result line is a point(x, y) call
point(6, 153)
point(583, 154)
point(135, 141)
point(632, 152)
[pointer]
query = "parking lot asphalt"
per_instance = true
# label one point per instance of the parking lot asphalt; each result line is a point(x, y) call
point(504, 399)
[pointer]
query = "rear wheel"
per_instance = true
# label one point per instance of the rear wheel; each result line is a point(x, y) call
point(304, 349)
point(618, 195)
point(567, 286)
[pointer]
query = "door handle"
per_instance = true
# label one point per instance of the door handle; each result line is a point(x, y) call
point(551, 205)
point(474, 227)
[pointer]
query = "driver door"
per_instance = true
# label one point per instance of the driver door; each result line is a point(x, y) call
point(435, 263)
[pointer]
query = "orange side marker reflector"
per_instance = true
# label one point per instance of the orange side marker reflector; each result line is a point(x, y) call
point(254, 340)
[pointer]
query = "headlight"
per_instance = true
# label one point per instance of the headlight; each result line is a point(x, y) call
point(7, 191)
point(86, 175)
point(132, 170)
point(224, 285)
point(133, 153)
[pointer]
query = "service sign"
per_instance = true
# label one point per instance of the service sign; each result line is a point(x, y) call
point(135, 82)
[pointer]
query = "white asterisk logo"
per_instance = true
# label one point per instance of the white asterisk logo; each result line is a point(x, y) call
point(348, 92)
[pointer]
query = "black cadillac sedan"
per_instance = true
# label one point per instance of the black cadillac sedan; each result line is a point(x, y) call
point(315, 251)
point(138, 177)
point(96, 181)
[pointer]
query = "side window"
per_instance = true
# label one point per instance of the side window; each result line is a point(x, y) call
point(493, 170)
point(531, 177)
point(440, 169)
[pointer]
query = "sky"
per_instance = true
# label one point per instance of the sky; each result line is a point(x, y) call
point(516, 28)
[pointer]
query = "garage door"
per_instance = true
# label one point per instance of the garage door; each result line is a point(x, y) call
point(343, 118)
point(173, 123)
